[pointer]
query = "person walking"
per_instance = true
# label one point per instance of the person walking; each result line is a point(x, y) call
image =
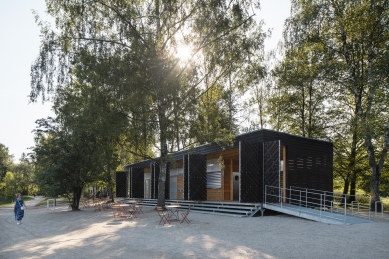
point(19, 208)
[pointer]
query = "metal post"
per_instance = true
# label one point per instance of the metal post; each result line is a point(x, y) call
point(290, 194)
point(324, 200)
point(306, 198)
point(300, 199)
point(369, 207)
point(265, 193)
point(375, 208)
point(281, 197)
point(321, 200)
point(345, 208)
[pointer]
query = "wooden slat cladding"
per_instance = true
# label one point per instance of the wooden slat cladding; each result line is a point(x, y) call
point(167, 181)
point(251, 176)
point(258, 136)
point(155, 170)
point(215, 194)
point(186, 177)
point(121, 184)
point(307, 163)
point(180, 187)
point(271, 169)
point(197, 177)
point(227, 179)
point(154, 180)
point(137, 182)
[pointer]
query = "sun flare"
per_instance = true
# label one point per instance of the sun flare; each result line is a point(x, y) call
point(183, 52)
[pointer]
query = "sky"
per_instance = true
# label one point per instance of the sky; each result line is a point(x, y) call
point(19, 47)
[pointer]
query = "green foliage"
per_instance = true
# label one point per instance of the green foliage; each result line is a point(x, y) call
point(340, 48)
point(10, 186)
point(24, 176)
point(15, 178)
point(301, 93)
point(64, 161)
point(125, 52)
point(5, 161)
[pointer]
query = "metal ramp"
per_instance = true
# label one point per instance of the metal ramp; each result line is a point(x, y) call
point(321, 206)
point(315, 214)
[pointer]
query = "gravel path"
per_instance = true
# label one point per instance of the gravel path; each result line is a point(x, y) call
point(61, 233)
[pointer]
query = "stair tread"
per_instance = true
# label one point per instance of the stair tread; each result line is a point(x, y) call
point(211, 207)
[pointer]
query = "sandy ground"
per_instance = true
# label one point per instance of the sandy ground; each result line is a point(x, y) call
point(61, 233)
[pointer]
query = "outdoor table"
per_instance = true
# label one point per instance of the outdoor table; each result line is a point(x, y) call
point(119, 211)
point(131, 203)
point(98, 205)
point(173, 211)
point(128, 210)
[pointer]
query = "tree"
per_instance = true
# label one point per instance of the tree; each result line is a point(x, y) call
point(354, 39)
point(89, 110)
point(24, 176)
point(5, 161)
point(10, 185)
point(302, 92)
point(139, 40)
point(64, 162)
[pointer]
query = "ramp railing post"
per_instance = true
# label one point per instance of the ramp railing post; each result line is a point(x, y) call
point(369, 207)
point(306, 198)
point(345, 208)
point(265, 193)
point(290, 194)
point(375, 208)
point(324, 201)
point(352, 207)
point(300, 199)
point(280, 193)
point(321, 200)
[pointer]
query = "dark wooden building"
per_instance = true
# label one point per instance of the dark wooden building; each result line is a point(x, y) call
point(237, 173)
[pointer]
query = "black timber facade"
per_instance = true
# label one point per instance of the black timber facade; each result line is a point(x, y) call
point(264, 157)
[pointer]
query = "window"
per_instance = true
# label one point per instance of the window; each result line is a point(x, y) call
point(214, 180)
point(214, 174)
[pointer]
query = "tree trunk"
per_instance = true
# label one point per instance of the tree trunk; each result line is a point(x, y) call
point(162, 176)
point(109, 184)
point(76, 198)
point(376, 169)
point(161, 106)
point(352, 163)
point(353, 185)
point(346, 185)
point(110, 193)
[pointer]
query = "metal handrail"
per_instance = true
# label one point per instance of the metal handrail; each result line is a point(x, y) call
point(322, 200)
point(375, 208)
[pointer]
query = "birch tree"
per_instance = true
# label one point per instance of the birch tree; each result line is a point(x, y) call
point(354, 36)
point(140, 39)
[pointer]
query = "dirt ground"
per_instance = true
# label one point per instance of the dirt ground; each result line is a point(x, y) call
point(60, 233)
